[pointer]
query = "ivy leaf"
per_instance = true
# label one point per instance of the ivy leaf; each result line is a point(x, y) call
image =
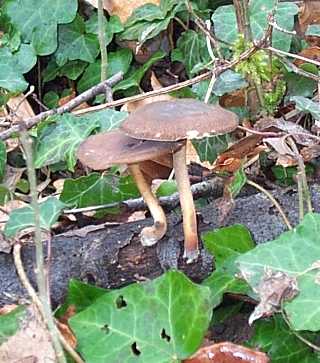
point(293, 253)
point(9, 323)
point(71, 69)
point(117, 61)
point(23, 218)
point(306, 105)
point(191, 51)
point(313, 30)
point(74, 43)
point(209, 148)
point(12, 66)
point(112, 26)
point(274, 337)
point(145, 322)
point(134, 77)
point(97, 189)
point(59, 140)
point(149, 20)
point(301, 86)
point(109, 119)
point(226, 244)
point(225, 22)
point(43, 17)
point(228, 81)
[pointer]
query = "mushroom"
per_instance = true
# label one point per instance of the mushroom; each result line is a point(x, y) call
point(179, 120)
point(101, 151)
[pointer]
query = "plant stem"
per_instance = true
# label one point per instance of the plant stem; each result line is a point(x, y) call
point(273, 200)
point(102, 41)
point(40, 265)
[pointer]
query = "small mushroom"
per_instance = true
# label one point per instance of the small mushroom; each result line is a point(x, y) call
point(178, 120)
point(101, 151)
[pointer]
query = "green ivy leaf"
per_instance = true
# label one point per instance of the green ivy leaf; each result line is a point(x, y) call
point(23, 218)
point(225, 22)
point(191, 51)
point(306, 105)
point(43, 17)
point(3, 159)
point(274, 337)
point(109, 119)
point(134, 77)
point(80, 296)
point(298, 85)
point(228, 81)
point(313, 30)
point(149, 20)
point(148, 317)
point(12, 66)
point(209, 148)
point(292, 253)
point(97, 189)
point(167, 187)
point(75, 44)
point(58, 141)
point(112, 26)
point(117, 61)
point(226, 244)
point(9, 323)
point(51, 99)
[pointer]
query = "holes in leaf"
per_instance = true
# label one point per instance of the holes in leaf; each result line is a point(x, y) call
point(165, 336)
point(105, 329)
point(120, 302)
point(135, 349)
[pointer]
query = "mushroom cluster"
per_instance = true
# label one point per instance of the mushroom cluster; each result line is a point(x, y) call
point(154, 130)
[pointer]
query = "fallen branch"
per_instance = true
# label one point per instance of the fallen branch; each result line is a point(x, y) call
point(83, 97)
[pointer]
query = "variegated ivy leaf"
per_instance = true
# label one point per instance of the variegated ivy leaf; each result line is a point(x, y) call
point(23, 218)
point(308, 106)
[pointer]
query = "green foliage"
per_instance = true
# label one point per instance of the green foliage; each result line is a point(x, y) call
point(3, 159)
point(134, 76)
point(167, 187)
point(117, 61)
point(191, 51)
point(43, 17)
point(96, 189)
point(293, 253)
point(225, 23)
point(71, 69)
point(281, 344)
point(149, 318)
point(313, 30)
point(9, 323)
point(149, 20)
point(14, 65)
point(208, 148)
point(23, 218)
point(74, 43)
point(226, 244)
point(306, 105)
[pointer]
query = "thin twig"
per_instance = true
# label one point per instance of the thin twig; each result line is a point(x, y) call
point(295, 56)
point(273, 200)
point(83, 97)
point(102, 41)
point(40, 266)
point(34, 297)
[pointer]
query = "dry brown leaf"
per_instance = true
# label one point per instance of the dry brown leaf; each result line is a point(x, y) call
point(227, 352)
point(122, 8)
point(309, 14)
point(21, 107)
point(312, 53)
point(274, 288)
point(7, 309)
point(24, 345)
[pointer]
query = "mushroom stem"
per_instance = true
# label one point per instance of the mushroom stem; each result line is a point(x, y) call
point(191, 250)
point(149, 235)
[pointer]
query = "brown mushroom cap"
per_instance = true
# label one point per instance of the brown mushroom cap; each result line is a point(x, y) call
point(177, 120)
point(103, 150)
